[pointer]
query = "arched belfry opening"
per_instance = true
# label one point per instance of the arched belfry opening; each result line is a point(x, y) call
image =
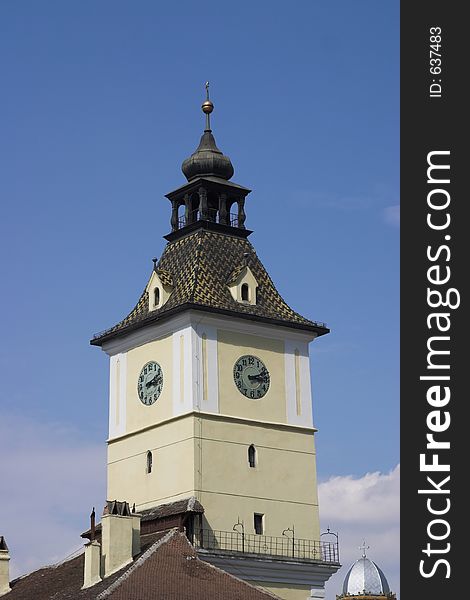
point(192, 207)
point(212, 206)
point(181, 208)
point(208, 197)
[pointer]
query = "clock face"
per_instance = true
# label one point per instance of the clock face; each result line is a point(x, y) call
point(251, 376)
point(150, 383)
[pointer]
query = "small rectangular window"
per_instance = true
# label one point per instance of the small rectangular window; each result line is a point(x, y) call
point(259, 523)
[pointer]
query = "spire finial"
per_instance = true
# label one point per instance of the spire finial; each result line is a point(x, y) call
point(207, 108)
point(364, 548)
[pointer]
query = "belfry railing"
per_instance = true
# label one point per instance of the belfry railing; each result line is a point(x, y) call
point(212, 215)
point(285, 547)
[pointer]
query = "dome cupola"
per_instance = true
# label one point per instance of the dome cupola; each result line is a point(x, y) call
point(365, 580)
point(207, 159)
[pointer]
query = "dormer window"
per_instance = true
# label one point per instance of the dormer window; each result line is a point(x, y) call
point(159, 288)
point(245, 292)
point(156, 297)
point(243, 285)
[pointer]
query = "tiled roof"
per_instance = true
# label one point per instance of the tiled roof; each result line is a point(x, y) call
point(167, 569)
point(172, 508)
point(172, 570)
point(180, 507)
point(201, 265)
point(64, 581)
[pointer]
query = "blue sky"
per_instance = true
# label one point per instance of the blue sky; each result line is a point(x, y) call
point(101, 104)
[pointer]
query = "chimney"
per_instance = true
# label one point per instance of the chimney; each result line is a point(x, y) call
point(117, 537)
point(135, 532)
point(4, 567)
point(92, 567)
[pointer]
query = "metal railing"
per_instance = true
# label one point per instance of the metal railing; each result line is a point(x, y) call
point(234, 222)
point(286, 547)
point(212, 215)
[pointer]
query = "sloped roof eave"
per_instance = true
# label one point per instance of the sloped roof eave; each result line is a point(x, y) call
point(154, 318)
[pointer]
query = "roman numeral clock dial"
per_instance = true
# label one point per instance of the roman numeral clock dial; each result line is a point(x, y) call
point(150, 383)
point(251, 377)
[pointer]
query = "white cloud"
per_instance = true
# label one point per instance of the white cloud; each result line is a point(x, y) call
point(49, 481)
point(391, 215)
point(363, 508)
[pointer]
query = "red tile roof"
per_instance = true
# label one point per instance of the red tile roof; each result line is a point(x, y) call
point(171, 569)
point(167, 569)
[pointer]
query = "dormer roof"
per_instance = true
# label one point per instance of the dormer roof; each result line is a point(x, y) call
point(165, 276)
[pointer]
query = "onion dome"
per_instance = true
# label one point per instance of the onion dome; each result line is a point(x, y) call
point(207, 159)
point(365, 578)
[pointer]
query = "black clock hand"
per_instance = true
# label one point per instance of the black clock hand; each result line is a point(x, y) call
point(256, 377)
point(262, 377)
point(154, 381)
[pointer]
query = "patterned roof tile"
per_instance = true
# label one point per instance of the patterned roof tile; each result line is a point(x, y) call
point(200, 266)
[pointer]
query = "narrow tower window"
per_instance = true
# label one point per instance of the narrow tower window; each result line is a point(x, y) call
point(149, 462)
point(258, 523)
point(252, 456)
point(156, 297)
point(245, 292)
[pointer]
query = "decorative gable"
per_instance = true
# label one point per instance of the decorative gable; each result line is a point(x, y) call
point(159, 288)
point(243, 285)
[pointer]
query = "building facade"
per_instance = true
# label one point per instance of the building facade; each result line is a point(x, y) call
point(210, 392)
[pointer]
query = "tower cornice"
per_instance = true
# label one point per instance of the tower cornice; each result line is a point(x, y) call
point(194, 184)
point(216, 417)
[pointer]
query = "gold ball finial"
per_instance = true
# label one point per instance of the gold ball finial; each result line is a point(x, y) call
point(207, 107)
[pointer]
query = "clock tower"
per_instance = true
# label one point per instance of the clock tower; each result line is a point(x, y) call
point(209, 393)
